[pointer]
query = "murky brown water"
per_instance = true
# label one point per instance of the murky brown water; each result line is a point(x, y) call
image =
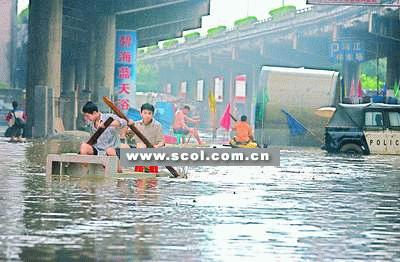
point(314, 207)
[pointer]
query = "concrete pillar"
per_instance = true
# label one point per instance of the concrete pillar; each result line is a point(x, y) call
point(44, 61)
point(14, 44)
point(351, 71)
point(211, 88)
point(175, 85)
point(68, 96)
point(90, 67)
point(104, 63)
point(45, 110)
point(191, 84)
point(81, 74)
point(392, 69)
point(83, 93)
point(230, 86)
point(253, 82)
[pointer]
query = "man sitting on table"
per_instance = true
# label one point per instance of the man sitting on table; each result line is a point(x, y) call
point(109, 141)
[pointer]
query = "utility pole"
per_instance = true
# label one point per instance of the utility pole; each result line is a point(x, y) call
point(283, 2)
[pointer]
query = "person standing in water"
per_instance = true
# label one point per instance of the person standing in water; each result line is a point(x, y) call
point(16, 120)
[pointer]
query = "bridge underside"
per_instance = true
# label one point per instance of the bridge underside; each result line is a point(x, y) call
point(72, 44)
point(301, 41)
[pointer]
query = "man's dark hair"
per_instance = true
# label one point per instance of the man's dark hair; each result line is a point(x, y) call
point(147, 106)
point(243, 118)
point(187, 107)
point(15, 104)
point(89, 108)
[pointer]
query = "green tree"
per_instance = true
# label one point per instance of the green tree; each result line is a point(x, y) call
point(23, 16)
point(148, 79)
point(369, 82)
point(369, 69)
point(3, 85)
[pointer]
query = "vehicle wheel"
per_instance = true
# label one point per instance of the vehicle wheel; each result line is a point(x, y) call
point(351, 149)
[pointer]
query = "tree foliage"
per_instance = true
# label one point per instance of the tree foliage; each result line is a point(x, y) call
point(3, 85)
point(369, 82)
point(170, 43)
point(369, 68)
point(282, 11)
point(245, 21)
point(23, 16)
point(369, 74)
point(216, 30)
point(192, 36)
point(152, 48)
point(148, 79)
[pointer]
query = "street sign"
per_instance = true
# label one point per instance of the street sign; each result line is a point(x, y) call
point(125, 69)
point(347, 50)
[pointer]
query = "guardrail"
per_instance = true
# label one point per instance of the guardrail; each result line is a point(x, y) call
point(228, 30)
point(264, 26)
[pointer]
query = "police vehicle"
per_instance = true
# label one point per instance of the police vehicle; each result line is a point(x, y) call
point(372, 128)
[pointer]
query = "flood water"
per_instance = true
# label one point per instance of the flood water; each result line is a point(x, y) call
point(314, 207)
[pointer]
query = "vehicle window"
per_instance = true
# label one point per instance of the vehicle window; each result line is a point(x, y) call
point(374, 119)
point(394, 119)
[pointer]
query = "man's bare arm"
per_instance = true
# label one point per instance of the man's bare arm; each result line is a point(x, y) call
point(191, 120)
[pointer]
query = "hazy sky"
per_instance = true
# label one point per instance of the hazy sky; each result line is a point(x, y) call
point(225, 12)
point(22, 4)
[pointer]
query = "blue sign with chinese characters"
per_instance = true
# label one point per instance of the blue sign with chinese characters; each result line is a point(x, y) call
point(347, 50)
point(125, 69)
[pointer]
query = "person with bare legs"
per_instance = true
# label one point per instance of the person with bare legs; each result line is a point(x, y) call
point(180, 127)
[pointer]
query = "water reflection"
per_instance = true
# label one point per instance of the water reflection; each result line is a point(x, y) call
point(314, 207)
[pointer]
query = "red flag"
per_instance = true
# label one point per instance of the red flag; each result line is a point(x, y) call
point(352, 89)
point(225, 121)
point(359, 89)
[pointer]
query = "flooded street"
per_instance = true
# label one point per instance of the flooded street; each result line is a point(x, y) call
point(314, 207)
point(199, 83)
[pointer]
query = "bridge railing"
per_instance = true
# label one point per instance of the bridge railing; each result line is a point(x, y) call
point(260, 23)
point(232, 29)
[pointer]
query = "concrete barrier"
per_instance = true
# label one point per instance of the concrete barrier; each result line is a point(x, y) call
point(75, 164)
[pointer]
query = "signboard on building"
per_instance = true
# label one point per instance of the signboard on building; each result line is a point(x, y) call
point(347, 50)
point(240, 88)
point(219, 89)
point(344, 2)
point(125, 69)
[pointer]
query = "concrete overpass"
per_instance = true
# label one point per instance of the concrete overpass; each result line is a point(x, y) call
point(72, 44)
point(301, 39)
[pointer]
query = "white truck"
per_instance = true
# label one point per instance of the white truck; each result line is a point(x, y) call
point(294, 93)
